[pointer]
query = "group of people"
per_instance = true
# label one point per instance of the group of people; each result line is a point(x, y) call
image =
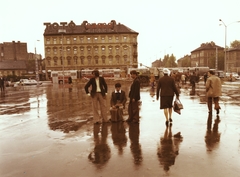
point(98, 93)
point(166, 91)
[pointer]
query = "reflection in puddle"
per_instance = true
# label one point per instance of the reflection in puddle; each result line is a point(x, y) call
point(168, 148)
point(212, 137)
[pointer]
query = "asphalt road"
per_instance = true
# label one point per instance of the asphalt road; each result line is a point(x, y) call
point(47, 131)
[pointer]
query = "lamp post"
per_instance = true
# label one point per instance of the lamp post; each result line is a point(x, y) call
point(62, 31)
point(36, 65)
point(225, 48)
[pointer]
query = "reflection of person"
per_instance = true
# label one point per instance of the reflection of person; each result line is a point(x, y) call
point(152, 80)
point(169, 148)
point(205, 76)
point(193, 81)
point(117, 102)
point(212, 135)
point(98, 94)
point(2, 86)
point(135, 145)
point(70, 80)
point(214, 91)
point(165, 89)
point(118, 136)
point(134, 97)
point(101, 153)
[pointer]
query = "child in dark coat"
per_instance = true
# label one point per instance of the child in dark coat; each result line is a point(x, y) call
point(117, 102)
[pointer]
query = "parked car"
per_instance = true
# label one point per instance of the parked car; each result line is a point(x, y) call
point(29, 82)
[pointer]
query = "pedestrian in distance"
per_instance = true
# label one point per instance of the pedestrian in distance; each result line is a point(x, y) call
point(70, 80)
point(98, 94)
point(134, 97)
point(166, 89)
point(2, 83)
point(214, 91)
point(193, 81)
point(117, 102)
point(205, 76)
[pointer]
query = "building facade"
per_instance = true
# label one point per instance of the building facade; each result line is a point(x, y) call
point(12, 58)
point(93, 46)
point(208, 55)
point(233, 59)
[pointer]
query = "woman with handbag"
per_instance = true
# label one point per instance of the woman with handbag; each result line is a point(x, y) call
point(166, 89)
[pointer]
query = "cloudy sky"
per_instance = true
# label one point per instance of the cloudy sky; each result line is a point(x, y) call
point(165, 27)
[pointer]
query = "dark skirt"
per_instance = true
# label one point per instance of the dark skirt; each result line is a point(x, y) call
point(166, 102)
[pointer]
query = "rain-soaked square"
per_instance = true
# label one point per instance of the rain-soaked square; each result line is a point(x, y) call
point(49, 131)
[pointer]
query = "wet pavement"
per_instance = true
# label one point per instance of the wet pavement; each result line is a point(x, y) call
point(47, 131)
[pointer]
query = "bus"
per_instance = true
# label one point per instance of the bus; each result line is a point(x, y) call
point(60, 77)
point(106, 73)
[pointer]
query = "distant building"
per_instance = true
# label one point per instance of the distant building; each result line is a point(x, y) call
point(206, 55)
point(233, 59)
point(89, 45)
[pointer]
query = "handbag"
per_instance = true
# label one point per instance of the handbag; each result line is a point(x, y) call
point(177, 106)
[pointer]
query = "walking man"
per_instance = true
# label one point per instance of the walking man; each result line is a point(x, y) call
point(165, 89)
point(98, 94)
point(134, 97)
point(214, 91)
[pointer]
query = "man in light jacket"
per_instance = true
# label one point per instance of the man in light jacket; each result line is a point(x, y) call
point(214, 91)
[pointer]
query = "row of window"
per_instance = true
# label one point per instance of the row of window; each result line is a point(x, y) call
point(85, 39)
point(58, 50)
point(89, 61)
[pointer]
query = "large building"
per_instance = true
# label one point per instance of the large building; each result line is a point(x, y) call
point(89, 45)
point(16, 61)
point(208, 54)
point(12, 58)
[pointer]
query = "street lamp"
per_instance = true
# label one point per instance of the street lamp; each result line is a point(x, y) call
point(62, 31)
point(225, 50)
point(36, 65)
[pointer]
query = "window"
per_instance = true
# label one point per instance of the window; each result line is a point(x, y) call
point(54, 41)
point(68, 50)
point(88, 39)
point(61, 40)
point(109, 39)
point(81, 39)
point(68, 40)
point(103, 50)
point(95, 39)
point(55, 61)
point(96, 50)
point(55, 51)
point(110, 49)
point(117, 39)
point(48, 51)
point(103, 39)
point(74, 39)
point(48, 41)
point(75, 60)
point(75, 51)
point(125, 38)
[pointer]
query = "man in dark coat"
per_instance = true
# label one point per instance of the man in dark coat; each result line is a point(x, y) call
point(134, 97)
point(98, 94)
point(166, 88)
point(2, 86)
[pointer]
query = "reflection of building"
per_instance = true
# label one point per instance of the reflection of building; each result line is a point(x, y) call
point(89, 45)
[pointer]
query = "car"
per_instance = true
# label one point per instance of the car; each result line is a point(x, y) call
point(29, 82)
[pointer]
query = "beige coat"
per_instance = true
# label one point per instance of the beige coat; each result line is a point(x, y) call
point(213, 86)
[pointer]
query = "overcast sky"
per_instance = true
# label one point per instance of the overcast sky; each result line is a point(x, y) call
point(164, 27)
